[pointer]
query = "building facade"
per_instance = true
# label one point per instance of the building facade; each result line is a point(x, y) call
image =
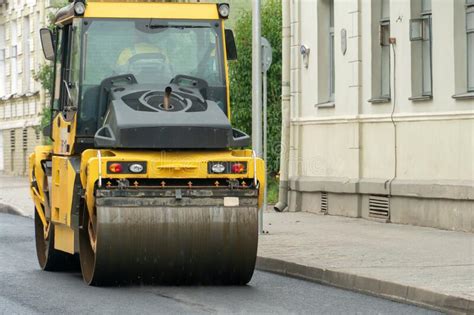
point(21, 97)
point(382, 110)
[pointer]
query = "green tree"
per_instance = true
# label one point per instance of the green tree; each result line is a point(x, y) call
point(240, 73)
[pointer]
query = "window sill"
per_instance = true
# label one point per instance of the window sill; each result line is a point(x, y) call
point(421, 98)
point(463, 96)
point(380, 100)
point(328, 104)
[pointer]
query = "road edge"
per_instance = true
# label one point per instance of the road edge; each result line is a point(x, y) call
point(372, 286)
point(9, 209)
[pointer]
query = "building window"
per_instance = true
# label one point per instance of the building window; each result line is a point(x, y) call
point(470, 44)
point(384, 33)
point(332, 74)
point(26, 55)
point(421, 37)
point(13, 58)
point(380, 41)
point(2, 61)
point(326, 83)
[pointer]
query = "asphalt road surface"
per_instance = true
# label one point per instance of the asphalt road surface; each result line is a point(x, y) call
point(25, 289)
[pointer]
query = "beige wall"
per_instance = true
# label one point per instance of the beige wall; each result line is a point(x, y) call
point(353, 139)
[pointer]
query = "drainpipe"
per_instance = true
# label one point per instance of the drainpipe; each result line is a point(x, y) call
point(282, 203)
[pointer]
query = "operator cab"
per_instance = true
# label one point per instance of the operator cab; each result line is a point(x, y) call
point(105, 62)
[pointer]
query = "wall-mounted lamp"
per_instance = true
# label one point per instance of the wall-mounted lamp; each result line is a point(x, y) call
point(304, 51)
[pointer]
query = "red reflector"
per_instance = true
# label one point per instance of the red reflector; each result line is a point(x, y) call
point(115, 168)
point(237, 168)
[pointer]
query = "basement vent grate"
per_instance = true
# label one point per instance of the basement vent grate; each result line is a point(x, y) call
point(324, 202)
point(379, 207)
point(12, 139)
point(25, 139)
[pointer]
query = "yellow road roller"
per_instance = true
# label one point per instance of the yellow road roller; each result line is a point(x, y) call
point(145, 178)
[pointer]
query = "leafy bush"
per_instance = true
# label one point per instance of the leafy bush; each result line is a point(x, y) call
point(240, 72)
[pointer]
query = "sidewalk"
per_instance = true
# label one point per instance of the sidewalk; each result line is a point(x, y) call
point(15, 195)
point(425, 266)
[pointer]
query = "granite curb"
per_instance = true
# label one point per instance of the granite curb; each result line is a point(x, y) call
point(372, 286)
point(9, 209)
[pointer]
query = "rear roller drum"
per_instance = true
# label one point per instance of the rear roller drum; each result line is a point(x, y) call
point(49, 258)
point(201, 245)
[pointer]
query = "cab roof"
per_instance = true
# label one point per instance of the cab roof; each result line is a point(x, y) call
point(137, 10)
point(203, 11)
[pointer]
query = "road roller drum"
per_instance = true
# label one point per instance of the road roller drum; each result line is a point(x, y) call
point(193, 239)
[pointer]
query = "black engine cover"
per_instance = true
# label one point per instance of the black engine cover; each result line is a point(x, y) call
point(137, 119)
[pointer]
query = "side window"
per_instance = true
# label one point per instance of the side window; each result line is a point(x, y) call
point(66, 66)
point(61, 68)
point(57, 71)
point(75, 64)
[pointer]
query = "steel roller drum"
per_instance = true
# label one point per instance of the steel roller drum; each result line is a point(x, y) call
point(166, 244)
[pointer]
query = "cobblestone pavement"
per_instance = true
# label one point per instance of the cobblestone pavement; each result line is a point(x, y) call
point(15, 193)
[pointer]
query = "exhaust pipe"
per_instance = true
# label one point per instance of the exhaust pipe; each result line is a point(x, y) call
point(166, 98)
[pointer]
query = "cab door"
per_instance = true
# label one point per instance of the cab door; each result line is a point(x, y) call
point(63, 104)
point(65, 194)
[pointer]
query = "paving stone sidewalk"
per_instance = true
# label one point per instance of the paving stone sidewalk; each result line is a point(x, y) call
point(424, 266)
point(15, 195)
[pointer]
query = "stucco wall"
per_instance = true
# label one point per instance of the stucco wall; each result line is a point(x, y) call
point(354, 140)
point(20, 108)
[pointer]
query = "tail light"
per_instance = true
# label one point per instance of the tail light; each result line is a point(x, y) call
point(115, 168)
point(237, 168)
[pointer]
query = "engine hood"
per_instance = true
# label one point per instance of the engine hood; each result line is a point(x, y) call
point(137, 118)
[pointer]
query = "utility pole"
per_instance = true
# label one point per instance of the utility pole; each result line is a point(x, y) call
point(266, 63)
point(257, 90)
point(256, 79)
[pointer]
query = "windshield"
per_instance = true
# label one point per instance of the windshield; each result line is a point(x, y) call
point(154, 51)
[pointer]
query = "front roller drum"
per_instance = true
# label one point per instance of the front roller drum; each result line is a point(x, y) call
point(179, 245)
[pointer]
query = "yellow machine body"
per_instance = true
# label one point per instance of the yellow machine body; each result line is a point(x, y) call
point(66, 181)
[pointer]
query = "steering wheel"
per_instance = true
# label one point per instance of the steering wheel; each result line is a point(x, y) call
point(148, 65)
point(145, 56)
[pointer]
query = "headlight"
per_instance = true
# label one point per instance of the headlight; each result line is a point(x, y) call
point(224, 10)
point(135, 168)
point(226, 167)
point(217, 168)
point(123, 167)
point(79, 8)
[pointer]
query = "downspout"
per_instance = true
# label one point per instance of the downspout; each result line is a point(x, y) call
point(282, 203)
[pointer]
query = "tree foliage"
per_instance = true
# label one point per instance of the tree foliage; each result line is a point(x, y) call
point(240, 72)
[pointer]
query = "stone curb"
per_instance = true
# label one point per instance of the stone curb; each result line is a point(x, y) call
point(376, 287)
point(6, 208)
